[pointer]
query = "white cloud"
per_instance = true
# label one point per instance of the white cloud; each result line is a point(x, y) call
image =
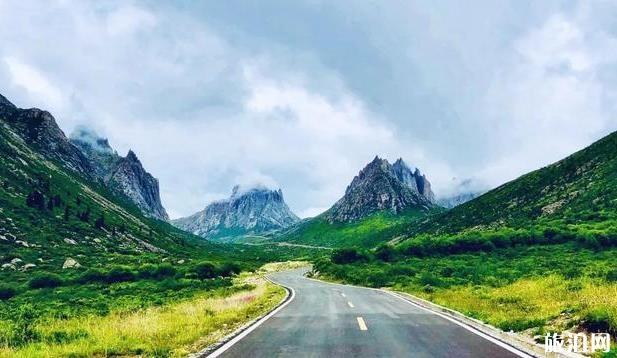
point(209, 97)
point(549, 100)
point(35, 83)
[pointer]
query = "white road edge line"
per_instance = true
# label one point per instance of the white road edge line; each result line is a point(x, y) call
point(254, 326)
point(362, 324)
point(466, 326)
point(350, 304)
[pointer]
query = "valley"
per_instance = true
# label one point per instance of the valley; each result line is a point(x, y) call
point(88, 248)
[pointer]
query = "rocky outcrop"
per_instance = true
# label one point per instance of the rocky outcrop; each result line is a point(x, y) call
point(70, 263)
point(381, 186)
point(130, 177)
point(39, 129)
point(123, 175)
point(248, 211)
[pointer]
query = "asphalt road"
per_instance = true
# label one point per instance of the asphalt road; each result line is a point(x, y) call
point(326, 320)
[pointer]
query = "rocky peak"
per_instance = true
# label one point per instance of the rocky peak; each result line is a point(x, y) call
point(39, 129)
point(6, 106)
point(123, 175)
point(380, 186)
point(132, 157)
point(252, 210)
point(130, 177)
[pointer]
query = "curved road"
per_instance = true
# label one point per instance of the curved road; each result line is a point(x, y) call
point(329, 320)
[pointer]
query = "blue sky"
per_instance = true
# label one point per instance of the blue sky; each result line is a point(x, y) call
point(301, 94)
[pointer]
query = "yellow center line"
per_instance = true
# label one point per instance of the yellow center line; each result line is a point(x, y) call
point(350, 304)
point(362, 325)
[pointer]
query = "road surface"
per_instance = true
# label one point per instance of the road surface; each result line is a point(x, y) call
point(327, 320)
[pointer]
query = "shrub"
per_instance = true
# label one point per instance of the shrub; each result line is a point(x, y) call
point(346, 256)
point(157, 271)
point(385, 253)
point(6, 292)
point(92, 276)
point(597, 320)
point(611, 276)
point(45, 280)
point(229, 269)
point(119, 274)
point(205, 270)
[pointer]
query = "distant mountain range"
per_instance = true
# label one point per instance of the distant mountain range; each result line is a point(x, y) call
point(250, 211)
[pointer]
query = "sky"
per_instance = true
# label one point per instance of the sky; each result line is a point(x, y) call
point(302, 94)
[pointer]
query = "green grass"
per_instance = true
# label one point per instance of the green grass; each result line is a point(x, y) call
point(178, 326)
point(367, 232)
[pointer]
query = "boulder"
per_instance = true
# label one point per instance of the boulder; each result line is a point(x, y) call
point(70, 263)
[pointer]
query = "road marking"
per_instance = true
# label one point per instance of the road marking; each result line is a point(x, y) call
point(362, 325)
point(342, 294)
point(475, 331)
point(350, 304)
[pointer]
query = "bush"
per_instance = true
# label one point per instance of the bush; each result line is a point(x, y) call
point(45, 280)
point(205, 270)
point(92, 276)
point(346, 256)
point(157, 271)
point(598, 320)
point(230, 269)
point(611, 276)
point(385, 253)
point(119, 274)
point(6, 292)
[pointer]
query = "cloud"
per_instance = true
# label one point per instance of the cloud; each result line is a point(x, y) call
point(212, 94)
point(34, 82)
point(550, 99)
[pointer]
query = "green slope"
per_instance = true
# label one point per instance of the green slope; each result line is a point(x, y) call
point(573, 199)
point(367, 232)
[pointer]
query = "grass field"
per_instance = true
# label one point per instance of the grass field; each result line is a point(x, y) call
point(173, 329)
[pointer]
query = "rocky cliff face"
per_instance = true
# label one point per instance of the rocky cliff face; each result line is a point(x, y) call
point(124, 175)
point(248, 211)
point(381, 186)
point(38, 129)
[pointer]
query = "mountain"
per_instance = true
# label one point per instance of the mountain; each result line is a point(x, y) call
point(250, 211)
point(461, 192)
point(124, 175)
point(457, 199)
point(381, 202)
point(573, 198)
point(38, 128)
point(381, 186)
point(51, 206)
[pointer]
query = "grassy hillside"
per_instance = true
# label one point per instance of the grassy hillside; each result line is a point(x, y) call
point(535, 255)
point(72, 251)
point(577, 192)
point(367, 232)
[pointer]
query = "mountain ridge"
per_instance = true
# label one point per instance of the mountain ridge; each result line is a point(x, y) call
point(123, 175)
point(248, 211)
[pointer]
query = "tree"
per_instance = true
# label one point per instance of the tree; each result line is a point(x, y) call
point(100, 222)
point(67, 213)
point(36, 200)
point(346, 256)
